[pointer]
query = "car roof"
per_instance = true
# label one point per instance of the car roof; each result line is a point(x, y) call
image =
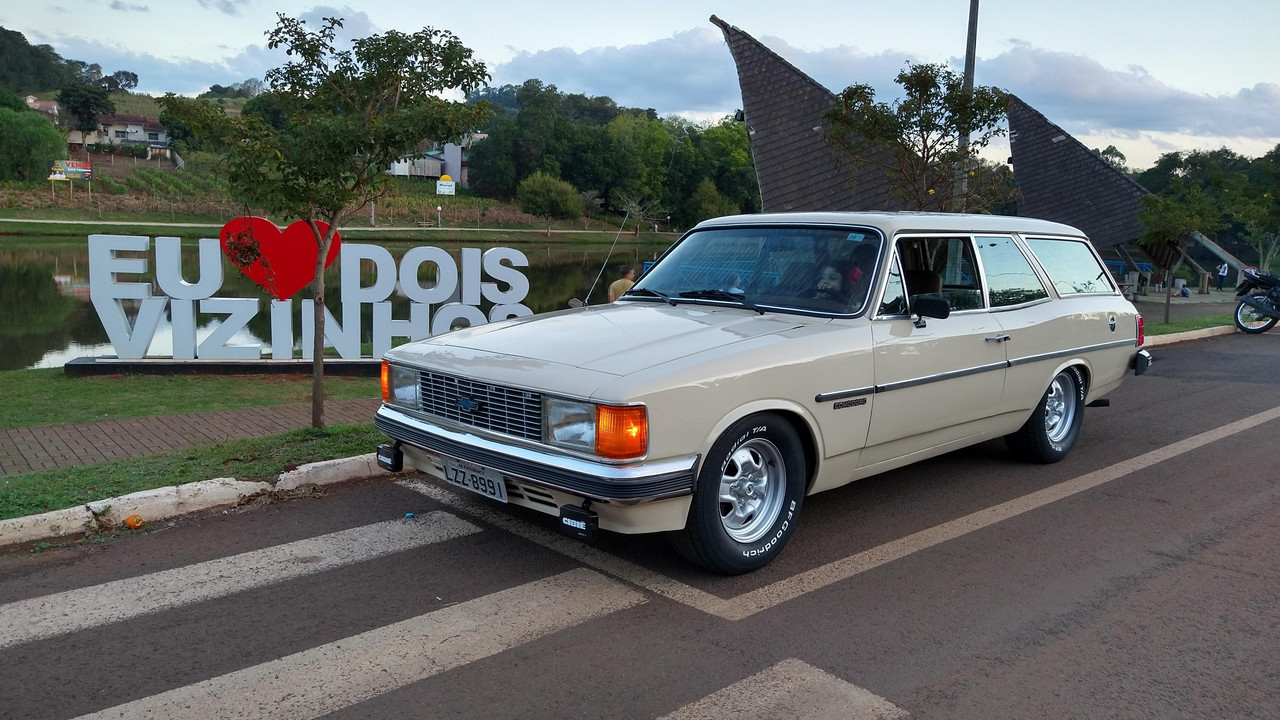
point(896, 222)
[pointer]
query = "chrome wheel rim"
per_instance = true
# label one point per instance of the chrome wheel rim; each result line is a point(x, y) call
point(752, 486)
point(1248, 316)
point(1060, 408)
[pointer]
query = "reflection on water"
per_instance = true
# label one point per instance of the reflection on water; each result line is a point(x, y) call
point(46, 318)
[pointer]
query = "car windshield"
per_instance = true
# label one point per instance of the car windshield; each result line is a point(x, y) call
point(813, 270)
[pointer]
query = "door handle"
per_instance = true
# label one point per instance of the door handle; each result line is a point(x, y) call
point(998, 338)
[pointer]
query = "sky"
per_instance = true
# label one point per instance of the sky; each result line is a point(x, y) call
point(1147, 76)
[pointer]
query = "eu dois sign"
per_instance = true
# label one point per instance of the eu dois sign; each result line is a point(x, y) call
point(453, 299)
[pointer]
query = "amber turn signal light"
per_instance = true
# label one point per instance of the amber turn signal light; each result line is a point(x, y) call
point(386, 387)
point(622, 433)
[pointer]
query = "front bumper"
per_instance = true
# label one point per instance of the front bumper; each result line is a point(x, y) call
point(622, 485)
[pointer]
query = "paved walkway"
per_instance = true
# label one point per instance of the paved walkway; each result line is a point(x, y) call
point(70, 445)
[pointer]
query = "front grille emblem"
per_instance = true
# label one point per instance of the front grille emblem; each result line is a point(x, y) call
point(468, 405)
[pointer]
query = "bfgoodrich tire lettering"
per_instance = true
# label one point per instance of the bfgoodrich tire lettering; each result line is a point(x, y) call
point(750, 490)
point(1048, 435)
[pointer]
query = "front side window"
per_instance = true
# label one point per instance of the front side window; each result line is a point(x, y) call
point(941, 266)
point(1010, 278)
point(819, 270)
point(1071, 266)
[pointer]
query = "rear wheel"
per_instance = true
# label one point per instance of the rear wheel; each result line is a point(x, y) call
point(1048, 435)
point(748, 499)
point(1251, 320)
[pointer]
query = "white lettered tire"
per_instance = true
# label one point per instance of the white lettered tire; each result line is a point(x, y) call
point(750, 490)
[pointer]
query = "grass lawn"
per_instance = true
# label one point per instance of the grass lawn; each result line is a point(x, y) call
point(42, 397)
point(1191, 323)
point(48, 396)
point(250, 459)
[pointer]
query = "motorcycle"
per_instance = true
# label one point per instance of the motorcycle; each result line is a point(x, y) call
point(1259, 307)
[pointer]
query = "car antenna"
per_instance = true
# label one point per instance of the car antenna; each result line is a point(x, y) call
point(608, 255)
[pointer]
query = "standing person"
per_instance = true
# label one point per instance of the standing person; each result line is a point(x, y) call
point(1223, 269)
point(623, 283)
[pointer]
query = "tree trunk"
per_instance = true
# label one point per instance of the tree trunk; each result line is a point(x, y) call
point(1168, 287)
point(317, 342)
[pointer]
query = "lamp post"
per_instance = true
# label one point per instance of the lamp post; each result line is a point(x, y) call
point(438, 208)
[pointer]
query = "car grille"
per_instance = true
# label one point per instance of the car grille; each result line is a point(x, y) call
point(479, 404)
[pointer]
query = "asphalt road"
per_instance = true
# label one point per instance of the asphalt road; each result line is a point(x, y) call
point(1137, 578)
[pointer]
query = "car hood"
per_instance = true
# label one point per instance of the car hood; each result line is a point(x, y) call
point(619, 338)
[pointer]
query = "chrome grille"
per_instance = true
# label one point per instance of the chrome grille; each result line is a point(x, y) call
point(479, 404)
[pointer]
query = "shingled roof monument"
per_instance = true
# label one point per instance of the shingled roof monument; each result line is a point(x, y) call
point(1057, 177)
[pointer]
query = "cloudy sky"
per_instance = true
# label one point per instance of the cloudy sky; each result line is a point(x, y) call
point(1148, 76)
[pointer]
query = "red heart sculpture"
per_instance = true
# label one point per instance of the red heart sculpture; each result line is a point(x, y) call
point(282, 263)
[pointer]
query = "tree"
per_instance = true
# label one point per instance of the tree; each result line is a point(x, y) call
point(125, 80)
point(549, 197)
point(83, 103)
point(916, 138)
point(707, 202)
point(11, 101)
point(641, 209)
point(1113, 157)
point(1168, 219)
point(28, 143)
point(352, 113)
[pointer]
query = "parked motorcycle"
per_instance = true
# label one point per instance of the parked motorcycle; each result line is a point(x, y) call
point(1259, 307)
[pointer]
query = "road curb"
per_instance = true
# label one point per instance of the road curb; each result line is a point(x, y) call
point(1171, 338)
point(167, 502)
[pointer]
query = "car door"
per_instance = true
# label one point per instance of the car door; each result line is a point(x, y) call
point(936, 379)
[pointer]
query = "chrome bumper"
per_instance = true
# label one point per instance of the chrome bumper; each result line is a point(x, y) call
point(623, 485)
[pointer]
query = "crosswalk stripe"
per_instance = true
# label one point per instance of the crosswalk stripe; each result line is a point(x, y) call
point(791, 689)
point(342, 673)
point(83, 608)
point(650, 580)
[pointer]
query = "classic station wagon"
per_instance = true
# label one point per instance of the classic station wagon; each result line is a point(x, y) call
point(765, 358)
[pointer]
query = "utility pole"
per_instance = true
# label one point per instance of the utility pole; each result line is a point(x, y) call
point(970, 51)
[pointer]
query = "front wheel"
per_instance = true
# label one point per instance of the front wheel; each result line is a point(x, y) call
point(750, 490)
point(1048, 435)
point(1251, 320)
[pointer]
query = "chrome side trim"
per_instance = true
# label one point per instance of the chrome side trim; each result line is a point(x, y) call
point(902, 384)
point(842, 394)
point(1073, 351)
point(624, 485)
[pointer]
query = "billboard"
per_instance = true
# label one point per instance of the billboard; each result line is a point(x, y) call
point(70, 170)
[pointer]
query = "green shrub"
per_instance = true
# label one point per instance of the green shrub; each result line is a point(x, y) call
point(546, 196)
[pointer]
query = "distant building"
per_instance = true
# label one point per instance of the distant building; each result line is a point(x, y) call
point(451, 159)
point(44, 107)
point(125, 130)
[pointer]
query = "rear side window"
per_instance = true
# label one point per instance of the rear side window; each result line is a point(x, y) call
point(1010, 279)
point(1071, 265)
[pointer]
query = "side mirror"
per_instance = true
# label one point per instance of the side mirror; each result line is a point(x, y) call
point(934, 306)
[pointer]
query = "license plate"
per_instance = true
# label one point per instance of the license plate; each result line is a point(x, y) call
point(476, 478)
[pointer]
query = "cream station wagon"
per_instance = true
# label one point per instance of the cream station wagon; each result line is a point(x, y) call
point(763, 359)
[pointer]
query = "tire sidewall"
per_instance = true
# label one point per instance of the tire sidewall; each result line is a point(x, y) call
point(1057, 450)
point(1270, 322)
point(727, 554)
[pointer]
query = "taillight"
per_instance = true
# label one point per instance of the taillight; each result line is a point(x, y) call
point(1142, 333)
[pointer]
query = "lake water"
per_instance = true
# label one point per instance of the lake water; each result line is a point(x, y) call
point(47, 319)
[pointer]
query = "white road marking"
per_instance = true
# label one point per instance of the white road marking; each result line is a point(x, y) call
point(791, 689)
point(654, 582)
point(330, 677)
point(74, 610)
point(748, 604)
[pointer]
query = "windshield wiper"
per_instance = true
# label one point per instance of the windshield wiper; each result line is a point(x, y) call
point(646, 292)
point(714, 294)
